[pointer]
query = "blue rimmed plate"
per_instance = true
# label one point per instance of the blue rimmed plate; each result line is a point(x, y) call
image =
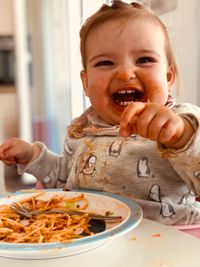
point(99, 202)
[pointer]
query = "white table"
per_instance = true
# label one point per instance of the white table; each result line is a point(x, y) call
point(171, 249)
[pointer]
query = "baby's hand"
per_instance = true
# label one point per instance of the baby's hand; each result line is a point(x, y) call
point(155, 122)
point(15, 151)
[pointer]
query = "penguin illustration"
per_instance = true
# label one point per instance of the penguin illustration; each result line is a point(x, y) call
point(197, 174)
point(188, 199)
point(115, 148)
point(155, 193)
point(67, 149)
point(89, 166)
point(143, 169)
point(167, 209)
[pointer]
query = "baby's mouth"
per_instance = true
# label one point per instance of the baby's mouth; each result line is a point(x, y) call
point(124, 97)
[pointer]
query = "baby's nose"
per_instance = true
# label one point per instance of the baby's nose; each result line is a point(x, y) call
point(125, 73)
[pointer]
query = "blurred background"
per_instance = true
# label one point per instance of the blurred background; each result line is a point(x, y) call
point(40, 88)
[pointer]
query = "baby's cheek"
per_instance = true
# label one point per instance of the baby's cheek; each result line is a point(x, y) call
point(157, 96)
point(156, 88)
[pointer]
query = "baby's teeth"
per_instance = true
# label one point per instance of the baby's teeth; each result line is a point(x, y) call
point(121, 103)
point(125, 103)
point(122, 92)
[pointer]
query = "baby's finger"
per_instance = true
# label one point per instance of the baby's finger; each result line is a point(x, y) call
point(8, 154)
point(171, 132)
point(129, 117)
point(155, 124)
point(10, 162)
point(7, 145)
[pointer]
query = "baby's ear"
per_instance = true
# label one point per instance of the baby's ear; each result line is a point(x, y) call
point(171, 77)
point(84, 80)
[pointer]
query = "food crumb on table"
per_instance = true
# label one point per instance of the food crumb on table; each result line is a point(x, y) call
point(133, 238)
point(156, 235)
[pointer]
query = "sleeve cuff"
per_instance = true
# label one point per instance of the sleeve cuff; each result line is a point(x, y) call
point(41, 166)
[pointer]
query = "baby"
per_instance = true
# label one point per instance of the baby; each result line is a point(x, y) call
point(133, 140)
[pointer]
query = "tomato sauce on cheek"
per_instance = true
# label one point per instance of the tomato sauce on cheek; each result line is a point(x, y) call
point(98, 86)
point(156, 89)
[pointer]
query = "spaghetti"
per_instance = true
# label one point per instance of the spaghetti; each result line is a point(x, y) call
point(46, 227)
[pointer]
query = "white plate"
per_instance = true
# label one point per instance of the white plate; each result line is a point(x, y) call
point(99, 202)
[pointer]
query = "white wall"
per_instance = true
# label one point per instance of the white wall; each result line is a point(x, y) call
point(182, 24)
point(6, 17)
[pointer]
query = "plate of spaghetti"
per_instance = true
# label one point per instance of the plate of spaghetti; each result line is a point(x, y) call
point(40, 224)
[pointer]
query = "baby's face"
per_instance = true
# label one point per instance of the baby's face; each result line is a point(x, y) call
point(126, 61)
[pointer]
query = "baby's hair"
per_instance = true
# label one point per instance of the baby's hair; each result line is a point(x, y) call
point(119, 9)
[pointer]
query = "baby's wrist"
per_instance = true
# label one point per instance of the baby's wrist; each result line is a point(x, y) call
point(36, 152)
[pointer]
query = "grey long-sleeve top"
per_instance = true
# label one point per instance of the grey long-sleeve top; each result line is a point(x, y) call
point(164, 181)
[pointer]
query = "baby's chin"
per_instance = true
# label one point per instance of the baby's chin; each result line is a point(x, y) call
point(112, 120)
point(110, 114)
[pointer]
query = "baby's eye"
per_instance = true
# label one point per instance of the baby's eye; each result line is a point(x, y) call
point(104, 63)
point(143, 60)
